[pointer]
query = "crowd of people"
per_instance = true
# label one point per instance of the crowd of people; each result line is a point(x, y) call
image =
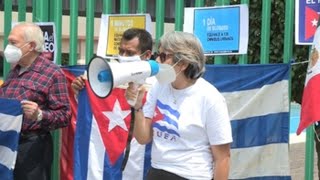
point(191, 141)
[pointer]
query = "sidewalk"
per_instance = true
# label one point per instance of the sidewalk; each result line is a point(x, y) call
point(297, 157)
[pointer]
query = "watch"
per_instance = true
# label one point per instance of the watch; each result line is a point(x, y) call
point(39, 117)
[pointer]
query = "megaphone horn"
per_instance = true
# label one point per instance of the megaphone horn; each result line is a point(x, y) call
point(103, 76)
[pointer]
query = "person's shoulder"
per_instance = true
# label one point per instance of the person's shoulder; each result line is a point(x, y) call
point(48, 63)
point(48, 67)
point(208, 90)
point(206, 86)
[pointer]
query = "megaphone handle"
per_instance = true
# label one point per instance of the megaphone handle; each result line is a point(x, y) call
point(132, 102)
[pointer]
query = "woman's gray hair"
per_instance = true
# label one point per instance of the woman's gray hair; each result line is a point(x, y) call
point(187, 47)
point(33, 33)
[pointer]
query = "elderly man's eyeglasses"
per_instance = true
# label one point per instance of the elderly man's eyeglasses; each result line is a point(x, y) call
point(163, 56)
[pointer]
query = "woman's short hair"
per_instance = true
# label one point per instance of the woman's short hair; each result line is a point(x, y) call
point(186, 47)
point(33, 33)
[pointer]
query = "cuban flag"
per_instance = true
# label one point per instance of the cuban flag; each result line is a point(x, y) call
point(101, 137)
point(307, 17)
point(258, 104)
point(10, 126)
point(68, 133)
point(99, 129)
point(310, 108)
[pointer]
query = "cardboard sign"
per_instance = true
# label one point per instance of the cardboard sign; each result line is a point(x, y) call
point(306, 17)
point(221, 29)
point(49, 35)
point(112, 28)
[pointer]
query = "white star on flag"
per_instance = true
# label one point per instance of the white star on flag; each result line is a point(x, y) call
point(314, 22)
point(116, 117)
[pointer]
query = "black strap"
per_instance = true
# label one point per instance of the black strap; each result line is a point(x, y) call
point(127, 152)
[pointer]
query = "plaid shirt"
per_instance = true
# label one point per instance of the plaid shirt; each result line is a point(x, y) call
point(44, 83)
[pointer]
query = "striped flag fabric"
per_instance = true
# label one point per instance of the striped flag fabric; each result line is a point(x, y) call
point(75, 146)
point(68, 133)
point(258, 102)
point(310, 107)
point(101, 136)
point(10, 127)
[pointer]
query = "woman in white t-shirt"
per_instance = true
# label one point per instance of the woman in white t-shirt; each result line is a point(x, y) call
point(186, 120)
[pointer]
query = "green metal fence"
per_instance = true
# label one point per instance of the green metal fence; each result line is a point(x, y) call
point(51, 11)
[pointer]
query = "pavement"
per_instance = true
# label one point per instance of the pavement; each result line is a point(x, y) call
point(297, 161)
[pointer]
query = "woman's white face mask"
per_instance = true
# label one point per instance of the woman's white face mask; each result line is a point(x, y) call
point(12, 53)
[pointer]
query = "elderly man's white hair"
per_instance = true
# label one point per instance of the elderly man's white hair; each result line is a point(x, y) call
point(32, 33)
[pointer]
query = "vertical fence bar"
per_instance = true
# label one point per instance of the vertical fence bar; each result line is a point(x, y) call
point(56, 16)
point(89, 30)
point(160, 10)
point(107, 6)
point(73, 49)
point(142, 6)
point(265, 32)
point(288, 48)
point(22, 6)
point(124, 6)
point(199, 3)
point(42, 11)
point(7, 29)
point(309, 153)
point(34, 10)
point(179, 15)
point(243, 59)
point(221, 59)
point(288, 31)
point(309, 147)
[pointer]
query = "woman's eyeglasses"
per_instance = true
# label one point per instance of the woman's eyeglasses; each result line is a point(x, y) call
point(163, 56)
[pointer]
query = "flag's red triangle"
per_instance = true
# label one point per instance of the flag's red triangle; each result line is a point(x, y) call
point(310, 28)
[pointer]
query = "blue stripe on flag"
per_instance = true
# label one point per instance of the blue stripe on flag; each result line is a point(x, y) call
point(147, 160)
point(10, 127)
point(8, 175)
point(7, 137)
point(112, 172)
point(173, 112)
point(12, 107)
point(82, 137)
point(268, 178)
point(77, 70)
point(238, 77)
point(260, 130)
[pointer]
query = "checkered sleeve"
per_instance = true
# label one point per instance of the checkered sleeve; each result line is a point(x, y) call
point(58, 113)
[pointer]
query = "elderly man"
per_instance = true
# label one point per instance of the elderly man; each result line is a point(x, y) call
point(41, 87)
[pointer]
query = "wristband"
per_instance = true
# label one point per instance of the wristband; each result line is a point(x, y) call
point(39, 116)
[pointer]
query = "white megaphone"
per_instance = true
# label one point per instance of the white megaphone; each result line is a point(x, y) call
point(103, 76)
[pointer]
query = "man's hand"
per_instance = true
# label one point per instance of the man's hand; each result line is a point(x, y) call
point(30, 109)
point(78, 84)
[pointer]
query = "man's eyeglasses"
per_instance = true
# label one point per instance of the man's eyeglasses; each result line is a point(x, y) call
point(163, 56)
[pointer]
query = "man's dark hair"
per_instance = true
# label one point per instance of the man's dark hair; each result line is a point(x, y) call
point(145, 38)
